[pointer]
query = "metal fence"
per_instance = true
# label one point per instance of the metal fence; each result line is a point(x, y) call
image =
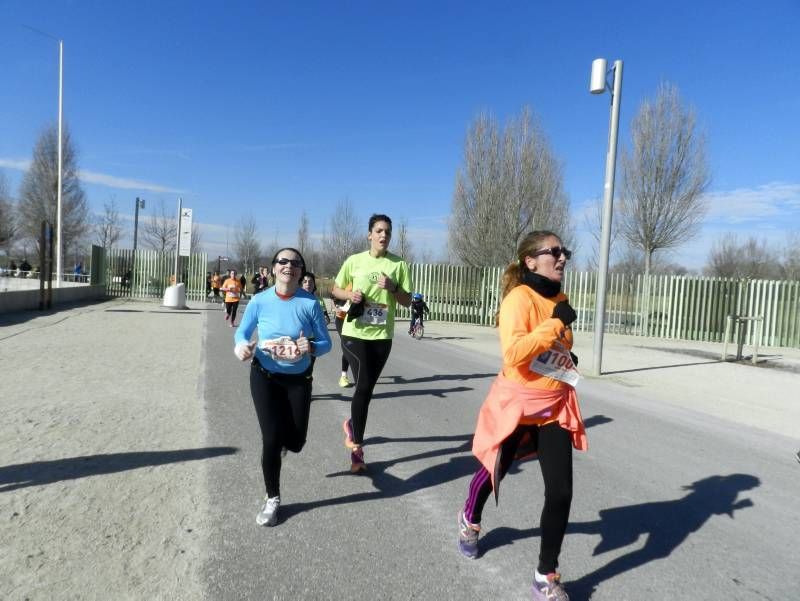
point(148, 273)
point(664, 306)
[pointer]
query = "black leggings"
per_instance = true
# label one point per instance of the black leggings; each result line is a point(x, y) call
point(367, 358)
point(338, 323)
point(554, 445)
point(230, 309)
point(283, 403)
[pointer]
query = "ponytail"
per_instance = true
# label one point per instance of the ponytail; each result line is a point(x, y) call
point(512, 277)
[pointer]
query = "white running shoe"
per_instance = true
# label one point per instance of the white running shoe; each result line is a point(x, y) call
point(268, 516)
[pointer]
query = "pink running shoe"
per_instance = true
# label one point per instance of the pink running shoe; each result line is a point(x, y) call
point(357, 461)
point(551, 590)
point(347, 426)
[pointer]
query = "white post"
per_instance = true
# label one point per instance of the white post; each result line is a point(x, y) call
point(605, 241)
point(178, 240)
point(59, 245)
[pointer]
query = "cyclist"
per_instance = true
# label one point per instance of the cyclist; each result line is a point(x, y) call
point(379, 281)
point(418, 307)
point(291, 331)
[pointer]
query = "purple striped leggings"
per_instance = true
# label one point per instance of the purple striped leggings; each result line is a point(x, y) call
point(554, 446)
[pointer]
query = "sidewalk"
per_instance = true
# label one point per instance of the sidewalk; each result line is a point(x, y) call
point(109, 390)
point(686, 374)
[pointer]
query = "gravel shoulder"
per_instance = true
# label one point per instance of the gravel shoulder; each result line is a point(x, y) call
point(102, 479)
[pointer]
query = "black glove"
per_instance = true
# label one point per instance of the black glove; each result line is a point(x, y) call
point(564, 312)
point(355, 311)
point(574, 358)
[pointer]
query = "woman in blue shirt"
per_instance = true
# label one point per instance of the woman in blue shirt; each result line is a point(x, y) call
point(290, 331)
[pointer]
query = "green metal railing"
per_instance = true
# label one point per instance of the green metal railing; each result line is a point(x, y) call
point(148, 273)
point(664, 306)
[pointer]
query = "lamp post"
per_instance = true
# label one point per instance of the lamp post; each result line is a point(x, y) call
point(139, 205)
point(599, 84)
point(59, 244)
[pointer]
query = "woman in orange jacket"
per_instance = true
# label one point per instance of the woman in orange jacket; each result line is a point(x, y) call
point(233, 292)
point(531, 407)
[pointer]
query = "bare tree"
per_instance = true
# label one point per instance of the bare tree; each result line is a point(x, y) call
point(593, 222)
point(39, 191)
point(159, 230)
point(403, 244)
point(510, 183)
point(790, 264)
point(107, 227)
point(344, 238)
point(302, 234)
point(751, 259)
point(246, 244)
point(196, 240)
point(664, 175)
point(7, 219)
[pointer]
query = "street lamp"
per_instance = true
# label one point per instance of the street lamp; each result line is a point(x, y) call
point(599, 84)
point(59, 244)
point(139, 205)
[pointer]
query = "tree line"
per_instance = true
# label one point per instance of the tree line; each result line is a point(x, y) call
point(509, 182)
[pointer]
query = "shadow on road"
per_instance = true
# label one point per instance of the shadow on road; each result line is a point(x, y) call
point(438, 378)
point(386, 485)
point(666, 524)
point(630, 371)
point(37, 473)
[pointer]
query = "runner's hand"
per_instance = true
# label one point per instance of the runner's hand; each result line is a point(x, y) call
point(303, 344)
point(564, 312)
point(244, 350)
point(356, 297)
point(385, 282)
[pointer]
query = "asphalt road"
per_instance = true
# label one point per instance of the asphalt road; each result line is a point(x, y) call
point(669, 503)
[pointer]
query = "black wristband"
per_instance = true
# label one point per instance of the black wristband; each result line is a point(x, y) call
point(396, 288)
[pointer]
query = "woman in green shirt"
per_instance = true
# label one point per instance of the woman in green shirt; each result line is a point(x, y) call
point(378, 280)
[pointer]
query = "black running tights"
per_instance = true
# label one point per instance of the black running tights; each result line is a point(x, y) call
point(367, 358)
point(554, 445)
point(282, 403)
point(345, 363)
point(231, 308)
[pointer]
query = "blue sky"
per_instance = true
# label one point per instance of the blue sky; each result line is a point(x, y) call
point(272, 108)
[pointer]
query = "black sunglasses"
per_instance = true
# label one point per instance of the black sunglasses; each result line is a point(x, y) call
point(292, 262)
point(556, 251)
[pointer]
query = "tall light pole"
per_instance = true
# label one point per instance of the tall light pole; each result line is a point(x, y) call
point(59, 245)
point(139, 205)
point(599, 84)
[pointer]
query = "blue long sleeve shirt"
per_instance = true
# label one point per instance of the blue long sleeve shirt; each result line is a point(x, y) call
point(274, 317)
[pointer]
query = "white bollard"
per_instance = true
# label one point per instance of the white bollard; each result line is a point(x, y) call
point(175, 297)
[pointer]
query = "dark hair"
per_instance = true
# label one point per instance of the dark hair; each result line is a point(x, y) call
point(376, 217)
point(295, 251)
point(512, 276)
point(310, 275)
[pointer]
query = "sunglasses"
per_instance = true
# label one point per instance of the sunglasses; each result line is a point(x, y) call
point(292, 262)
point(556, 251)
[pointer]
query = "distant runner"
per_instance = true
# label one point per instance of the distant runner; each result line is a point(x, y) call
point(233, 291)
